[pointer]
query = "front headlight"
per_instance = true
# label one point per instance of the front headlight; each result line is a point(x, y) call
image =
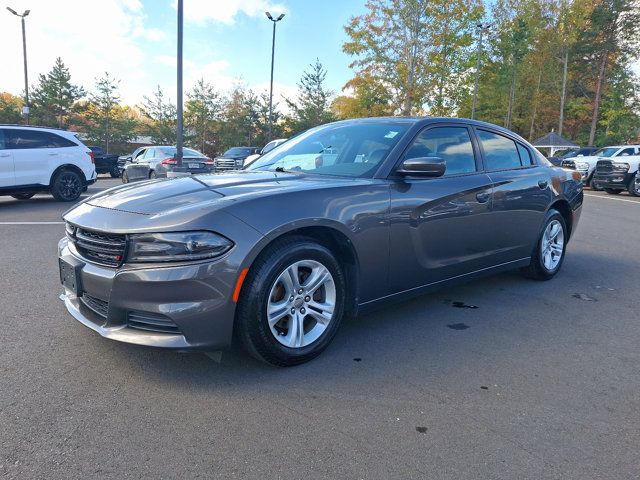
point(582, 166)
point(179, 246)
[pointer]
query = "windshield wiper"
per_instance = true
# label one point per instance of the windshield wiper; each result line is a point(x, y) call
point(284, 170)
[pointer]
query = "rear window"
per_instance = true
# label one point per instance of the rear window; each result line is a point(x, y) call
point(186, 152)
point(500, 152)
point(239, 151)
point(17, 139)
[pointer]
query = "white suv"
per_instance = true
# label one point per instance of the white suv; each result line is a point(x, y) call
point(36, 159)
point(587, 165)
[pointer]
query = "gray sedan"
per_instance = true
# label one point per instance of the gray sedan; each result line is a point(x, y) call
point(342, 218)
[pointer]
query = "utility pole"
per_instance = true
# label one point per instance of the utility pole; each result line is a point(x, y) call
point(480, 27)
point(179, 137)
point(273, 50)
point(25, 109)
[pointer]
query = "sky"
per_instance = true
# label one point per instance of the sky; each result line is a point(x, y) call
point(225, 42)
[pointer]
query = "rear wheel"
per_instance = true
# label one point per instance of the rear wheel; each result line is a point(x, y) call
point(634, 187)
point(292, 303)
point(115, 172)
point(612, 191)
point(23, 195)
point(67, 186)
point(549, 252)
point(152, 174)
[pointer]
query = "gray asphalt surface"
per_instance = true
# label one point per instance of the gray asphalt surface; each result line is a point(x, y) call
point(544, 382)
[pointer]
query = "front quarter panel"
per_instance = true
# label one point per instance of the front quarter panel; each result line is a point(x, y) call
point(359, 211)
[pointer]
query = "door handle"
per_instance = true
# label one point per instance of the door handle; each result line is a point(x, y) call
point(483, 197)
point(4, 154)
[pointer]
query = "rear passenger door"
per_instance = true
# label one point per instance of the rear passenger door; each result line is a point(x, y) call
point(521, 193)
point(7, 174)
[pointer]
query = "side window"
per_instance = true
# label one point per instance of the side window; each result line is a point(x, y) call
point(2, 146)
point(452, 144)
point(525, 156)
point(23, 139)
point(148, 154)
point(626, 152)
point(500, 152)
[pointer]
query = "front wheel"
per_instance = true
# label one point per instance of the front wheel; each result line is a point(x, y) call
point(612, 191)
point(115, 172)
point(23, 195)
point(549, 252)
point(634, 187)
point(67, 186)
point(292, 302)
point(594, 185)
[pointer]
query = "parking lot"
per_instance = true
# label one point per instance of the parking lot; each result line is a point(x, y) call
point(500, 378)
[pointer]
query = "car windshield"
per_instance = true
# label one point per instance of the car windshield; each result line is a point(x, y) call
point(606, 152)
point(186, 152)
point(352, 149)
point(238, 151)
point(569, 154)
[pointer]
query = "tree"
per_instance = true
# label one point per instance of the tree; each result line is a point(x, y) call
point(54, 97)
point(203, 111)
point(369, 98)
point(10, 108)
point(312, 106)
point(106, 122)
point(161, 118)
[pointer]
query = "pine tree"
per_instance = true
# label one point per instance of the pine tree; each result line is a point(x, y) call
point(161, 118)
point(54, 97)
point(203, 111)
point(313, 105)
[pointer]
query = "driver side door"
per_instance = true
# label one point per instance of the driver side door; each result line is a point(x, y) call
point(441, 227)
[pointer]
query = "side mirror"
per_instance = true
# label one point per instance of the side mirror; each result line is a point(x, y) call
point(423, 167)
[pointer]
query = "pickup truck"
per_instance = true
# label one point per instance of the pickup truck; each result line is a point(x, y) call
point(105, 163)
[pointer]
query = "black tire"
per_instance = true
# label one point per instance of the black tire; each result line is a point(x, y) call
point(594, 186)
point(115, 172)
point(612, 191)
point(67, 186)
point(634, 188)
point(23, 195)
point(536, 269)
point(252, 326)
point(152, 174)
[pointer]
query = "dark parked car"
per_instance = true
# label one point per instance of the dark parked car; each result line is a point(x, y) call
point(233, 159)
point(123, 160)
point(580, 152)
point(105, 163)
point(385, 209)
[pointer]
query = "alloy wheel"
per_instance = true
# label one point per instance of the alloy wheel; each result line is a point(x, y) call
point(301, 303)
point(70, 186)
point(552, 245)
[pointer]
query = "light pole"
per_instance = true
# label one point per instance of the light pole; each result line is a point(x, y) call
point(273, 49)
point(179, 139)
point(480, 27)
point(25, 110)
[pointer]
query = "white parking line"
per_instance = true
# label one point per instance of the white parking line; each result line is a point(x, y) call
point(612, 198)
point(31, 223)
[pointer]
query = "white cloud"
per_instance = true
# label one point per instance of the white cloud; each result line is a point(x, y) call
point(225, 11)
point(88, 48)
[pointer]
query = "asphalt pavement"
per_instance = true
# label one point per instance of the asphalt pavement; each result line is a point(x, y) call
point(502, 378)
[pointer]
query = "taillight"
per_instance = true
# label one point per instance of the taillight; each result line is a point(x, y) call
point(93, 157)
point(169, 161)
point(208, 161)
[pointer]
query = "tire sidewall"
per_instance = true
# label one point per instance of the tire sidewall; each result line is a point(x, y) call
point(252, 306)
point(551, 215)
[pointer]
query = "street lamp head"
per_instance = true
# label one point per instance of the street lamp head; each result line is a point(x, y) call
point(26, 12)
point(266, 13)
point(13, 11)
point(280, 17)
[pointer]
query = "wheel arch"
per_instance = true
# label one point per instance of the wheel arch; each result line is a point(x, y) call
point(563, 206)
point(64, 168)
point(331, 237)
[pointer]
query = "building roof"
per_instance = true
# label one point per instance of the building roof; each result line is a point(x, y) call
point(553, 140)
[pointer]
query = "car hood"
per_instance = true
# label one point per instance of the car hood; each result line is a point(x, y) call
point(207, 191)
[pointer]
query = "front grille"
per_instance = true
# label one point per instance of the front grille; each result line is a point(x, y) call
point(569, 164)
point(604, 166)
point(99, 247)
point(225, 164)
point(151, 322)
point(98, 306)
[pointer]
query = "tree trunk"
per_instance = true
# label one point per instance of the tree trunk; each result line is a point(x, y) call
point(564, 90)
point(535, 104)
point(408, 100)
point(596, 102)
point(512, 95)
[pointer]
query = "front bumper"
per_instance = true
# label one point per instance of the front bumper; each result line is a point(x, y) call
point(195, 297)
point(614, 180)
